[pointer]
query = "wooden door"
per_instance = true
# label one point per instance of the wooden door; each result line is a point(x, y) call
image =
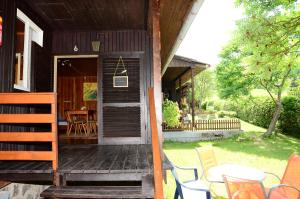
point(121, 110)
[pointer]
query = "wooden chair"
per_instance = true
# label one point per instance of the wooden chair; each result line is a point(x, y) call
point(70, 122)
point(78, 124)
point(191, 189)
point(92, 123)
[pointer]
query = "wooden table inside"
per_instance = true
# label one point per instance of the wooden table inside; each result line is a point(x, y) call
point(86, 115)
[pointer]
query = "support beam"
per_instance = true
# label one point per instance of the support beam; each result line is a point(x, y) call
point(154, 28)
point(180, 93)
point(193, 98)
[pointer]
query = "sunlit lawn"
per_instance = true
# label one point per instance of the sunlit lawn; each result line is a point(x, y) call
point(267, 155)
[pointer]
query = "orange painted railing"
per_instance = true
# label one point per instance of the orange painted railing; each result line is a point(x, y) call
point(157, 162)
point(50, 118)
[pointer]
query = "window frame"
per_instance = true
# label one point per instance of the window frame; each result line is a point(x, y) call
point(32, 33)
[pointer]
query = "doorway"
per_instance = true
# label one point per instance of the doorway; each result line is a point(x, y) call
point(76, 84)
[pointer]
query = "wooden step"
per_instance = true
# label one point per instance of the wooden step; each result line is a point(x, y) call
point(97, 192)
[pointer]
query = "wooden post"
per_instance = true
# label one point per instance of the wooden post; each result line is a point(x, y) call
point(156, 151)
point(154, 27)
point(180, 94)
point(193, 98)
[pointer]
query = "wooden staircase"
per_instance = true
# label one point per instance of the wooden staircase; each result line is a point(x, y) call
point(145, 190)
point(96, 192)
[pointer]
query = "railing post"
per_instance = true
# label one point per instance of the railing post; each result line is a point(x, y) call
point(157, 162)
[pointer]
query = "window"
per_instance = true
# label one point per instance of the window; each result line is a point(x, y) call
point(27, 32)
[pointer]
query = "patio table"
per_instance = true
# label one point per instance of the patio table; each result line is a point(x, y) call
point(238, 171)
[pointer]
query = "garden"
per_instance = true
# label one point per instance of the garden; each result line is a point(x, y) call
point(256, 81)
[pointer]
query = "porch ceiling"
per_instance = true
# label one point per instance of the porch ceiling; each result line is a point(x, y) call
point(92, 14)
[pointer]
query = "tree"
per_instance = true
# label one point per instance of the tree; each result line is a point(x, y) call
point(204, 84)
point(232, 79)
point(266, 50)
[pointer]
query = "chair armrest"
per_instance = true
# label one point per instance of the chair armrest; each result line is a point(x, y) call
point(273, 174)
point(189, 168)
point(281, 185)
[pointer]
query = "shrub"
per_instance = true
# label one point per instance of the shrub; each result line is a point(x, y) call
point(219, 105)
point(289, 122)
point(171, 113)
point(258, 110)
point(230, 114)
point(204, 106)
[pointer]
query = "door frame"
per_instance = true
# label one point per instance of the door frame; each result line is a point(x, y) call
point(56, 57)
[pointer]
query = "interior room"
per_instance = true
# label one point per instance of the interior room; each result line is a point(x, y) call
point(77, 99)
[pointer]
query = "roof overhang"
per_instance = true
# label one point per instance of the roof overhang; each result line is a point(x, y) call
point(180, 70)
point(169, 48)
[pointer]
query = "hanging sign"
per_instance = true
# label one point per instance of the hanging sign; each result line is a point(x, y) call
point(120, 78)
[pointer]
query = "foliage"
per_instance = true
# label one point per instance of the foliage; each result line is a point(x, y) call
point(264, 52)
point(268, 155)
point(171, 113)
point(289, 121)
point(204, 84)
point(258, 110)
point(219, 105)
point(230, 114)
point(232, 80)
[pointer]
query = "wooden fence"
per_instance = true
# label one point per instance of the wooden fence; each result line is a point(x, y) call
point(50, 118)
point(220, 124)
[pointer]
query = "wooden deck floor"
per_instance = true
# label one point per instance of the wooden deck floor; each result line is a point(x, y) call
point(86, 163)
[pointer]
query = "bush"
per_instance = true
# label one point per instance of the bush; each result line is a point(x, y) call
point(219, 105)
point(258, 110)
point(230, 114)
point(289, 122)
point(204, 106)
point(171, 113)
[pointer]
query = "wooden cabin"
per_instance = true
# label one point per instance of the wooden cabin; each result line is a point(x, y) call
point(59, 57)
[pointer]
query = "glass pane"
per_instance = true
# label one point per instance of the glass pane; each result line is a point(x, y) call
point(20, 31)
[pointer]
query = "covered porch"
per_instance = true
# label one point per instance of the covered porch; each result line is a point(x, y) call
point(46, 33)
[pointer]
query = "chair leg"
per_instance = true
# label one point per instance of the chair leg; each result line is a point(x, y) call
point(76, 128)
point(68, 129)
point(176, 194)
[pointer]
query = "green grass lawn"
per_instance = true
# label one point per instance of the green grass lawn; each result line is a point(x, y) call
point(248, 149)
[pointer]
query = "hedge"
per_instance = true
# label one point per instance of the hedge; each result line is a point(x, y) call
point(289, 122)
point(256, 111)
point(259, 111)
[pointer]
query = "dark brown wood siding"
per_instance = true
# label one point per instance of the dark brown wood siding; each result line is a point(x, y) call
point(40, 74)
point(111, 41)
point(70, 94)
point(8, 13)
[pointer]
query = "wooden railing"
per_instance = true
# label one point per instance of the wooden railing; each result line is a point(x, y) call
point(50, 118)
point(219, 124)
point(156, 149)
